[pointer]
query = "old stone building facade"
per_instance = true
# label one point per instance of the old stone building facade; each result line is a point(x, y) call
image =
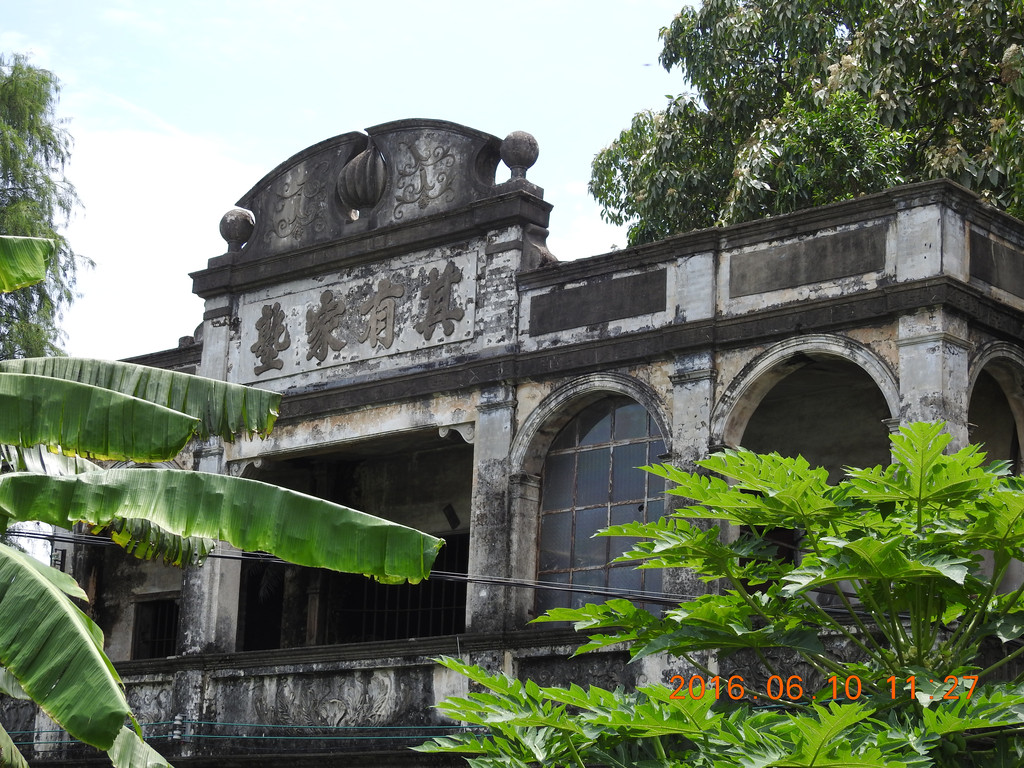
point(441, 368)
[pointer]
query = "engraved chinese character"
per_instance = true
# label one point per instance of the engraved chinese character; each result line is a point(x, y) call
point(379, 310)
point(321, 325)
point(273, 337)
point(438, 295)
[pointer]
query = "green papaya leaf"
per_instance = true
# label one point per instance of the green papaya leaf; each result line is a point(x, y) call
point(868, 559)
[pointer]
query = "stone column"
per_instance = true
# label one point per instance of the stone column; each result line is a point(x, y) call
point(693, 394)
point(524, 520)
point(209, 593)
point(933, 359)
point(489, 534)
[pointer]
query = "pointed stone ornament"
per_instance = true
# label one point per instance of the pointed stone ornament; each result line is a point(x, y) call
point(361, 182)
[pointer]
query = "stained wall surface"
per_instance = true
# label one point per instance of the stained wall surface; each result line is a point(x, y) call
point(433, 356)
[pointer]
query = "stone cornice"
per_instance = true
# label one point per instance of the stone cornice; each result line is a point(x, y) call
point(236, 272)
point(874, 306)
point(848, 213)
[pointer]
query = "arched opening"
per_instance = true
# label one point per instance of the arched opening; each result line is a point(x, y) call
point(589, 481)
point(826, 409)
point(543, 429)
point(990, 415)
point(822, 407)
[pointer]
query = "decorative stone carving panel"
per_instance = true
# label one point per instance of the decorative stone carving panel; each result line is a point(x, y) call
point(361, 697)
point(433, 166)
point(605, 670)
point(369, 312)
point(296, 204)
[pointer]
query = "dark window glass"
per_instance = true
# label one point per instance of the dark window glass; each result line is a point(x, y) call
point(621, 515)
point(591, 480)
point(590, 550)
point(624, 577)
point(592, 476)
point(558, 493)
point(630, 421)
point(589, 578)
point(156, 629)
point(628, 480)
point(552, 598)
point(555, 538)
point(595, 427)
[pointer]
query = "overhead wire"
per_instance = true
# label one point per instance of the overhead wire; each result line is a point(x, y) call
point(660, 598)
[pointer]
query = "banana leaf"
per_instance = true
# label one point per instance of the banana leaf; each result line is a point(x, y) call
point(23, 261)
point(87, 420)
point(146, 541)
point(129, 751)
point(251, 515)
point(56, 652)
point(9, 686)
point(39, 458)
point(10, 757)
point(224, 409)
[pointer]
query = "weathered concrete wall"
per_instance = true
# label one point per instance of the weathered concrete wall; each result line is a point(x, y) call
point(125, 583)
point(429, 350)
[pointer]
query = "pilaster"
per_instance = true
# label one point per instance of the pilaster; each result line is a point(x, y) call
point(490, 542)
point(933, 370)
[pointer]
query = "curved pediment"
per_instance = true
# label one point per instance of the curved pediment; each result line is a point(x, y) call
point(392, 174)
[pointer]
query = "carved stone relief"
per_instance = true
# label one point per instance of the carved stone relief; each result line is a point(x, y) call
point(272, 338)
point(364, 315)
point(301, 204)
point(366, 697)
point(605, 670)
point(379, 311)
point(321, 324)
point(424, 175)
point(150, 701)
point(437, 294)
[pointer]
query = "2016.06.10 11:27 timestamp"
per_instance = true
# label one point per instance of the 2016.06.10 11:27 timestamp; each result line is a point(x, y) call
point(792, 688)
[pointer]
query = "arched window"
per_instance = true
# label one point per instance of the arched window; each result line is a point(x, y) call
point(591, 480)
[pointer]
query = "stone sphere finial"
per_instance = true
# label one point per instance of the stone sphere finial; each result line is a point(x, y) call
point(361, 182)
point(236, 227)
point(519, 151)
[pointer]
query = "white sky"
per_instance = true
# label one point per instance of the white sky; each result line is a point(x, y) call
point(177, 107)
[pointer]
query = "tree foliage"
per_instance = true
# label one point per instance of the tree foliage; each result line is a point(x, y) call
point(893, 639)
point(802, 102)
point(36, 200)
point(57, 411)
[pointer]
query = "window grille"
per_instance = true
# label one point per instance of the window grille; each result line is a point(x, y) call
point(356, 609)
point(364, 610)
point(591, 480)
point(156, 629)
